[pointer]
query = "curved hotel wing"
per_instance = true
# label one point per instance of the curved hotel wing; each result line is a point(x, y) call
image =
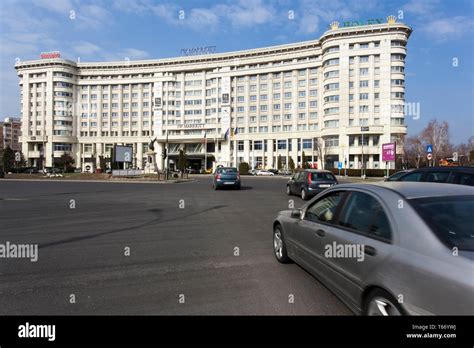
point(338, 98)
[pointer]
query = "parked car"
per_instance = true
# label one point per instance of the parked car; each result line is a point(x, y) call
point(285, 172)
point(253, 171)
point(449, 175)
point(264, 173)
point(397, 175)
point(310, 182)
point(226, 177)
point(274, 171)
point(367, 249)
point(31, 170)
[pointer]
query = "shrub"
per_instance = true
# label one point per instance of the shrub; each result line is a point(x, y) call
point(244, 168)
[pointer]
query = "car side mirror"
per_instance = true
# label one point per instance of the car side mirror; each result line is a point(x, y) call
point(296, 213)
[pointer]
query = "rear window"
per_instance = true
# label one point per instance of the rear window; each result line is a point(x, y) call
point(322, 176)
point(450, 218)
point(227, 170)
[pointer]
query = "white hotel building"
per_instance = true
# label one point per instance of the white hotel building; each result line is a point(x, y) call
point(343, 92)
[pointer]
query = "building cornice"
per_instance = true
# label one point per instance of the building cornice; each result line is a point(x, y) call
point(232, 58)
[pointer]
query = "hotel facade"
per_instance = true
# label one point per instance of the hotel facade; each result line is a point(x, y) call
point(337, 99)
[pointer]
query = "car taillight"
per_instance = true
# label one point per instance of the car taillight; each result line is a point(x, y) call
point(218, 176)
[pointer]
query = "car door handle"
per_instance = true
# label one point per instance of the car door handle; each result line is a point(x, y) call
point(320, 233)
point(370, 250)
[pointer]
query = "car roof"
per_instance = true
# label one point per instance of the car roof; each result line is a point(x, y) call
point(412, 190)
point(316, 171)
point(447, 168)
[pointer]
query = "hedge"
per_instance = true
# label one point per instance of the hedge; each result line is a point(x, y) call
point(368, 172)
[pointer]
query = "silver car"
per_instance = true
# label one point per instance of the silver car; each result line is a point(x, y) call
point(390, 248)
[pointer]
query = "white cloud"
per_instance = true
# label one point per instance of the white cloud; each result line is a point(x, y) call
point(134, 54)
point(417, 7)
point(247, 13)
point(92, 17)
point(243, 13)
point(86, 49)
point(59, 6)
point(316, 16)
point(448, 28)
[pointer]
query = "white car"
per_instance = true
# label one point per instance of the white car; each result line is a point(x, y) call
point(264, 173)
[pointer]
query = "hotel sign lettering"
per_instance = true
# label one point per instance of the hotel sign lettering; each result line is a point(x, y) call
point(359, 23)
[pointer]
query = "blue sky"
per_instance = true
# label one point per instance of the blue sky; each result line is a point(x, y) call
point(144, 29)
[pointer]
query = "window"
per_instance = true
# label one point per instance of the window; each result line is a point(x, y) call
point(329, 74)
point(331, 124)
point(364, 83)
point(331, 111)
point(416, 176)
point(332, 141)
point(450, 219)
point(324, 209)
point(363, 59)
point(364, 214)
point(331, 62)
point(331, 86)
point(364, 71)
point(398, 57)
point(307, 143)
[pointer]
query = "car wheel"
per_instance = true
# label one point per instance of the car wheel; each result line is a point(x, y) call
point(380, 303)
point(279, 247)
point(288, 190)
point(304, 196)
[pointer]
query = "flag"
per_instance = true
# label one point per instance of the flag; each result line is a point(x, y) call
point(204, 138)
point(232, 133)
point(226, 135)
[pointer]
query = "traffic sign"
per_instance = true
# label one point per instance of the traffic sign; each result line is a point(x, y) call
point(429, 156)
point(429, 148)
point(339, 165)
point(455, 156)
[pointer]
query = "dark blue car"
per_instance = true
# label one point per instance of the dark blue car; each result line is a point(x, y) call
point(226, 177)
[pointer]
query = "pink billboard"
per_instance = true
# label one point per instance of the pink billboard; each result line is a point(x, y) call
point(389, 152)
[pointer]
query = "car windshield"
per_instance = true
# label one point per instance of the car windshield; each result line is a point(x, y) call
point(322, 176)
point(450, 218)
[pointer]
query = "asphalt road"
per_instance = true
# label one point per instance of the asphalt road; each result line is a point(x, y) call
point(174, 250)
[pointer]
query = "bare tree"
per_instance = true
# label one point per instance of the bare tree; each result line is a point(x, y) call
point(415, 149)
point(320, 148)
point(437, 134)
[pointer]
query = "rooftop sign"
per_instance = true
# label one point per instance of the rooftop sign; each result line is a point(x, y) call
point(50, 55)
point(358, 23)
